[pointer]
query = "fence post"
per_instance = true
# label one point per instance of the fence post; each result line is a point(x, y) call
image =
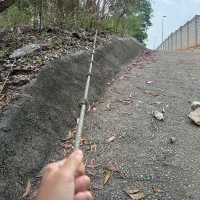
point(196, 30)
point(188, 35)
point(176, 40)
point(172, 42)
point(181, 37)
point(168, 43)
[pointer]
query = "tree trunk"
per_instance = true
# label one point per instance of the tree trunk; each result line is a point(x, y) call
point(4, 4)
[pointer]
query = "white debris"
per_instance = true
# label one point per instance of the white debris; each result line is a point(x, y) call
point(108, 107)
point(149, 82)
point(26, 50)
point(158, 115)
point(172, 140)
point(195, 105)
point(195, 116)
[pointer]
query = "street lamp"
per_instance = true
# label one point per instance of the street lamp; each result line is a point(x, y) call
point(163, 18)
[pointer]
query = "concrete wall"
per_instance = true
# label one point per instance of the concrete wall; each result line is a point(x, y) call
point(187, 36)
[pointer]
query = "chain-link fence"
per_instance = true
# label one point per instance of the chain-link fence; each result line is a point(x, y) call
point(187, 36)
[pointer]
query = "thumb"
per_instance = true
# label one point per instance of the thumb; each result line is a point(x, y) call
point(74, 161)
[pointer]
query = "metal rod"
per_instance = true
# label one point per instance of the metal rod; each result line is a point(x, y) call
point(83, 106)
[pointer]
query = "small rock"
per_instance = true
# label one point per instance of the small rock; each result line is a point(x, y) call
point(172, 140)
point(108, 107)
point(195, 116)
point(26, 50)
point(149, 82)
point(76, 35)
point(195, 105)
point(158, 115)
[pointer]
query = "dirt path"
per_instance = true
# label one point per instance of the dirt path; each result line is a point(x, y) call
point(141, 156)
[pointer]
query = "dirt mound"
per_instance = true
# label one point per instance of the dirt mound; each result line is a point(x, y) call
point(33, 124)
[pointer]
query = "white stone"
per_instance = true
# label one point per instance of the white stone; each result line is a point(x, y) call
point(158, 115)
point(195, 116)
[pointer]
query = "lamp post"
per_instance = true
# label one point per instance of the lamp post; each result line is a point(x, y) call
point(163, 18)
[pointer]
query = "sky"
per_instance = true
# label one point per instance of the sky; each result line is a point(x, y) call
point(178, 12)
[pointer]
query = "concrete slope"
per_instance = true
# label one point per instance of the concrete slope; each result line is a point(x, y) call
point(33, 124)
point(156, 159)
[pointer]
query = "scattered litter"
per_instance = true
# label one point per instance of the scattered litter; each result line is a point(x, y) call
point(149, 82)
point(158, 115)
point(112, 167)
point(93, 148)
point(126, 101)
point(85, 141)
point(163, 110)
point(27, 190)
point(130, 95)
point(195, 105)
point(156, 189)
point(172, 140)
point(154, 94)
point(92, 108)
point(195, 116)
point(111, 139)
point(123, 77)
point(108, 107)
point(135, 194)
point(158, 103)
point(108, 83)
point(107, 176)
point(26, 50)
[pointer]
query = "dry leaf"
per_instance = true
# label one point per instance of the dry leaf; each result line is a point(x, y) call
point(67, 145)
point(107, 176)
point(135, 194)
point(70, 135)
point(111, 139)
point(28, 189)
point(111, 167)
point(154, 94)
point(84, 141)
point(93, 148)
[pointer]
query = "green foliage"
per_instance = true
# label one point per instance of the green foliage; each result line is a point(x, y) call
point(124, 17)
point(15, 16)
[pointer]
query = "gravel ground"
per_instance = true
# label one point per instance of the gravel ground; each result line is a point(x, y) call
point(140, 155)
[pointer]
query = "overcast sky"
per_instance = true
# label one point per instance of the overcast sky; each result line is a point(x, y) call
point(178, 12)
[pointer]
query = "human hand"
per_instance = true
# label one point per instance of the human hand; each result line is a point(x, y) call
point(65, 180)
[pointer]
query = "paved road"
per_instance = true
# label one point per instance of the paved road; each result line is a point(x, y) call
point(141, 154)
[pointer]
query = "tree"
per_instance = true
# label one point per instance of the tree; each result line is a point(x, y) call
point(4, 4)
